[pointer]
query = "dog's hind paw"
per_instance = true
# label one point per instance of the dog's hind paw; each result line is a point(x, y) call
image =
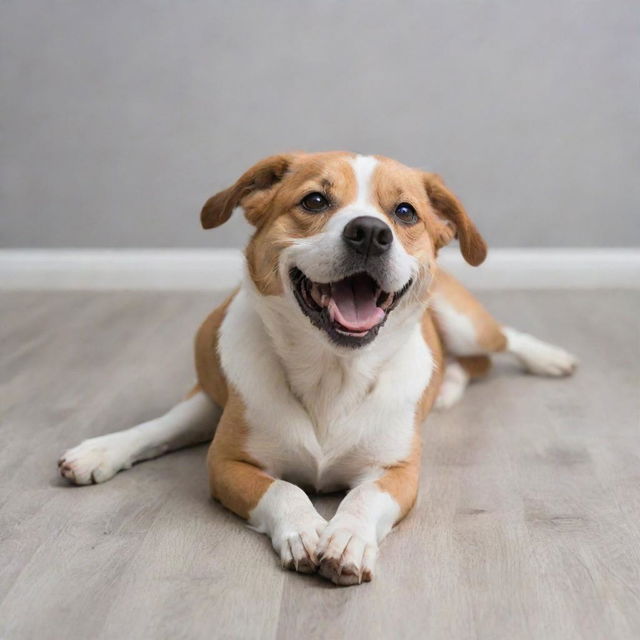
point(538, 357)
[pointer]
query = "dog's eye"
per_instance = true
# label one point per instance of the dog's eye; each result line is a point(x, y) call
point(406, 213)
point(314, 202)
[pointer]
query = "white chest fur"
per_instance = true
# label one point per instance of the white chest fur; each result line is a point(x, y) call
point(316, 417)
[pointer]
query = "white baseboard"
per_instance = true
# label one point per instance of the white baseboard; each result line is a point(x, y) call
point(215, 269)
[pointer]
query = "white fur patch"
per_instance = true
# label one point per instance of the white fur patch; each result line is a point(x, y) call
point(364, 168)
point(539, 358)
point(454, 382)
point(459, 334)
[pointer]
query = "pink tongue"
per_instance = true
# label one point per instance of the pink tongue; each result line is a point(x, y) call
point(353, 303)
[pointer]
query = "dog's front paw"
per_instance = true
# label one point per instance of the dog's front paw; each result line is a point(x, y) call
point(297, 543)
point(95, 460)
point(347, 553)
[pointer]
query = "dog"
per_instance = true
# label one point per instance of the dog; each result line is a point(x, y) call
point(317, 373)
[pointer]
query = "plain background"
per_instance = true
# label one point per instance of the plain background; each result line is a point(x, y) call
point(120, 118)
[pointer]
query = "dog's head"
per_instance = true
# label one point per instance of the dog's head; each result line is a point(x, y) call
point(345, 238)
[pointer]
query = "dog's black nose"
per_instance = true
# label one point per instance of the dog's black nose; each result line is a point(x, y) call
point(368, 236)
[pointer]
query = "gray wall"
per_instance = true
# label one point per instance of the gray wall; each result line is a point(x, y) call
point(120, 118)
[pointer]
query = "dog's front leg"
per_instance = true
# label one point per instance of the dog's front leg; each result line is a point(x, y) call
point(277, 508)
point(348, 545)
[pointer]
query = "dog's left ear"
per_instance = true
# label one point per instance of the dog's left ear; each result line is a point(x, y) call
point(457, 222)
point(261, 176)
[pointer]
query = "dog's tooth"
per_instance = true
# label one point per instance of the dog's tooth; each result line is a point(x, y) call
point(322, 293)
point(318, 294)
point(307, 291)
point(386, 301)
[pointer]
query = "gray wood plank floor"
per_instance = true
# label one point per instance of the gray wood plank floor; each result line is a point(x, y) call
point(528, 523)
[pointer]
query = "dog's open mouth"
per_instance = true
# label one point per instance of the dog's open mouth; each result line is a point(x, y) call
point(350, 310)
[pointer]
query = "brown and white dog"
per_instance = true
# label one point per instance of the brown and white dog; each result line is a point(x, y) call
point(319, 370)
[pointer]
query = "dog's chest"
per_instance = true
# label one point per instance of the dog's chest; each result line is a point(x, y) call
point(317, 419)
point(346, 430)
point(339, 404)
point(358, 416)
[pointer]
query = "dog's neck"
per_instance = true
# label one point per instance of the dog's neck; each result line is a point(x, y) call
point(323, 377)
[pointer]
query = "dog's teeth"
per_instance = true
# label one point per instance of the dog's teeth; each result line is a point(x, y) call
point(315, 292)
point(321, 294)
point(384, 302)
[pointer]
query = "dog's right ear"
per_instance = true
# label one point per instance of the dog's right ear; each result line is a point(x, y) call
point(263, 175)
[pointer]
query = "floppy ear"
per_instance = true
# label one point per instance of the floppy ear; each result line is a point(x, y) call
point(447, 206)
point(264, 174)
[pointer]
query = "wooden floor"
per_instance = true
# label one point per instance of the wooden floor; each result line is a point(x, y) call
point(528, 523)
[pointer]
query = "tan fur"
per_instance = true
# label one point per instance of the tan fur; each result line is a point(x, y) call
point(264, 174)
point(394, 183)
point(475, 366)
point(211, 378)
point(446, 204)
point(281, 220)
point(235, 479)
point(488, 331)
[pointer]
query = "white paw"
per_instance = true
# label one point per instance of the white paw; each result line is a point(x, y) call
point(537, 357)
point(347, 553)
point(297, 544)
point(548, 360)
point(449, 394)
point(454, 382)
point(96, 460)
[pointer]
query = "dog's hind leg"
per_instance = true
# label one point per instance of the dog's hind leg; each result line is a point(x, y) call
point(470, 335)
point(98, 459)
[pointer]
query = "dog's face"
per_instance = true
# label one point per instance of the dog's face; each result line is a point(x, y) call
point(346, 238)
